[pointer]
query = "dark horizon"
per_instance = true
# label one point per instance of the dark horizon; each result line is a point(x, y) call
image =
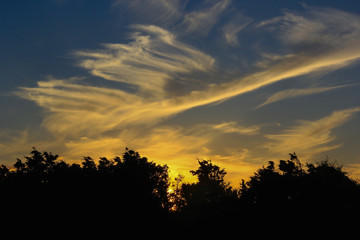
point(133, 191)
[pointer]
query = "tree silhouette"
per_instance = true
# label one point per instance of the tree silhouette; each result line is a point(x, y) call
point(134, 192)
point(130, 187)
point(146, 181)
point(210, 198)
point(322, 191)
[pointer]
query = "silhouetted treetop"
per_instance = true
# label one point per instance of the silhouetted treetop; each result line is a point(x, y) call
point(207, 172)
point(209, 198)
point(292, 166)
point(133, 185)
point(322, 190)
point(134, 190)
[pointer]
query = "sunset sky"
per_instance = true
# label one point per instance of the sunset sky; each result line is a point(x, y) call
point(237, 82)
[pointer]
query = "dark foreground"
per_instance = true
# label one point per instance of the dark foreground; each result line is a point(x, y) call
point(131, 193)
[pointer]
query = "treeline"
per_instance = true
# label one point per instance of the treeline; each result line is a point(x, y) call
point(133, 190)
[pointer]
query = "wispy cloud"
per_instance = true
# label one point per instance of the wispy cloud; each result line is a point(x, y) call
point(11, 141)
point(130, 114)
point(202, 21)
point(156, 57)
point(310, 137)
point(341, 48)
point(292, 93)
point(160, 12)
point(316, 29)
point(153, 58)
point(233, 127)
point(233, 27)
point(354, 169)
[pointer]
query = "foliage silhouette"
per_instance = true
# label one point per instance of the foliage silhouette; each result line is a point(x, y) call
point(322, 192)
point(131, 190)
point(131, 187)
point(209, 201)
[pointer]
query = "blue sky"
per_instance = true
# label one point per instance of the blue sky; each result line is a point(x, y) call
point(238, 82)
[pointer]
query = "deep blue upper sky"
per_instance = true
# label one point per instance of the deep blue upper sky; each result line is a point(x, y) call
point(38, 36)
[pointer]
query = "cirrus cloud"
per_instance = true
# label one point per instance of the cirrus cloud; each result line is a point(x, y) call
point(310, 137)
point(83, 114)
point(292, 93)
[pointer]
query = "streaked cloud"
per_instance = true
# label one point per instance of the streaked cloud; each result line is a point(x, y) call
point(353, 168)
point(311, 137)
point(292, 93)
point(233, 27)
point(11, 141)
point(153, 58)
point(147, 71)
point(159, 12)
point(322, 28)
point(233, 127)
point(201, 21)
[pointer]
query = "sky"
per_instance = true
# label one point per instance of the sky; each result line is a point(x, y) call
point(238, 82)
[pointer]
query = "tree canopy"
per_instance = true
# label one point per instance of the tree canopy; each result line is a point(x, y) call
point(133, 189)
